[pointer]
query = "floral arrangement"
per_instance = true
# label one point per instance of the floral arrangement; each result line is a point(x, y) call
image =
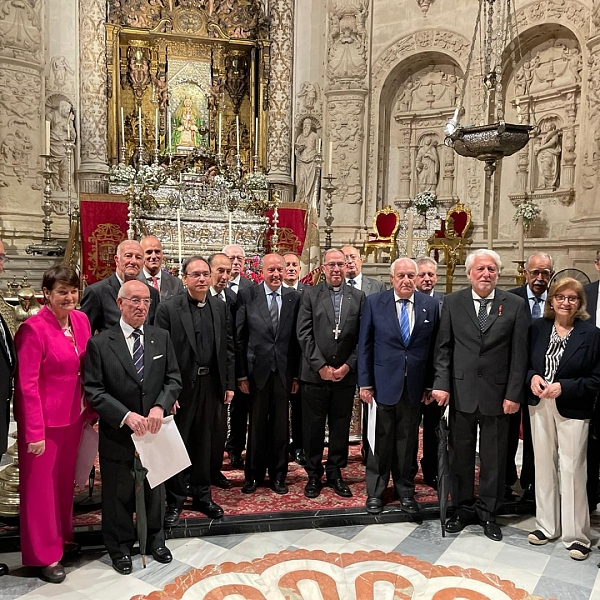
point(255, 181)
point(122, 173)
point(151, 175)
point(252, 269)
point(529, 211)
point(424, 201)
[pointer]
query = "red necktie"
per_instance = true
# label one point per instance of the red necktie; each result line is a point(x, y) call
point(155, 283)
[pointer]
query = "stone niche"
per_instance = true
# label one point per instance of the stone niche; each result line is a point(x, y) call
point(421, 98)
point(544, 90)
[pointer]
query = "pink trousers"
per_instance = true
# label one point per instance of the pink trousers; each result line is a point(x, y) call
point(46, 488)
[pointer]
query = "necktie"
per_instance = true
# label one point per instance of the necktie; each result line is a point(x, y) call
point(221, 295)
point(138, 353)
point(482, 315)
point(351, 282)
point(155, 283)
point(274, 311)
point(231, 285)
point(536, 311)
point(6, 346)
point(404, 323)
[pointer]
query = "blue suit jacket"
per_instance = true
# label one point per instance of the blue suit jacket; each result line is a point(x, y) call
point(384, 362)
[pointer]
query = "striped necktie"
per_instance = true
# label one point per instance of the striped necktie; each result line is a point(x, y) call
point(154, 283)
point(404, 323)
point(536, 311)
point(138, 353)
point(274, 311)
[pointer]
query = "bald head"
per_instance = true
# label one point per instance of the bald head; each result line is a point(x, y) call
point(133, 301)
point(153, 254)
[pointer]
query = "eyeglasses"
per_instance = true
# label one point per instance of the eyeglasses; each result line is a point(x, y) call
point(569, 299)
point(545, 273)
point(197, 275)
point(4, 258)
point(137, 301)
point(333, 265)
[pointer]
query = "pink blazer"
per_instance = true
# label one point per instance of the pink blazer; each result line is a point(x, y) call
point(48, 381)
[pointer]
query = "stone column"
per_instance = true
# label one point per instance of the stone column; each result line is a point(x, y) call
point(449, 157)
point(568, 144)
point(21, 121)
point(404, 167)
point(280, 132)
point(93, 101)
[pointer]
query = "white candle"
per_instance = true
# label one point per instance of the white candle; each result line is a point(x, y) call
point(409, 234)
point(521, 232)
point(169, 133)
point(48, 137)
point(220, 129)
point(237, 132)
point(230, 229)
point(319, 144)
point(140, 124)
point(156, 129)
point(256, 136)
point(123, 129)
point(330, 158)
point(179, 242)
point(490, 232)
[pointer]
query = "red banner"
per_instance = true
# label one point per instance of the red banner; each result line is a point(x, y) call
point(291, 230)
point(103, 228)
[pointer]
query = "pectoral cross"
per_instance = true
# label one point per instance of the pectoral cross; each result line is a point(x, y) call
point(337, 331)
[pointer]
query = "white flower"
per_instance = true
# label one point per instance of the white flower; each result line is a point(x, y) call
point(528, 210)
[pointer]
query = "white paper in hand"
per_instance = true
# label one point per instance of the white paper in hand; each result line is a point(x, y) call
point(162, 453)
point(371, 423)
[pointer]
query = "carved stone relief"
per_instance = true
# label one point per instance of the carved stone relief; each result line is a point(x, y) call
point(568, 12)
point(424, 5)
point(60, 114)
point(347, 42)
point(20, 30)
point(60, 76)
point(432, 89)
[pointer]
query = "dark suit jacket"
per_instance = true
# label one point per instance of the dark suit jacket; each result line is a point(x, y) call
point(439, 297)
point(316, 322)
point(578, 371)
point(591, 294)
point(482, 368)
point(169, 284)
point(384, 362)
point(99, 303)
point(113, 388)
point(257, 346)
point(6, 383)
point(175, 316)
point(372, 286)
point(521, 291)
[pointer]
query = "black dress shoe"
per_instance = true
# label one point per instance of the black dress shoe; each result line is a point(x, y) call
point(55, 574)
point(210, 509)
point(122, 564)
point(250, 486)
point(3, 569)
point(313, 487)
point(492, 530)
point(300, 458)
point(172, 516)
point(162, 555)
point(409, 505)
point(374, 505)
point(222, 482)
point(236, 461)
point(457, 523)
point(340, 487)
point(279, 487)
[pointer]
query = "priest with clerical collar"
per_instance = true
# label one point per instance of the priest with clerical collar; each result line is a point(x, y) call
point(328, 326)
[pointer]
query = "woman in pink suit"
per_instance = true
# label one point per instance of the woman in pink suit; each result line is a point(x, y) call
point(50, 412)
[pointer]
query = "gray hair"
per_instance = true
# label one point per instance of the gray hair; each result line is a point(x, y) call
point(482, 252)
point(330, 251)
point(119, 247)
point(393, 265)
point(426, 260)
point(233, 246)
point(542, 255)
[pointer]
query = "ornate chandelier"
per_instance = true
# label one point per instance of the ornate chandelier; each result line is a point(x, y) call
point(490, 142)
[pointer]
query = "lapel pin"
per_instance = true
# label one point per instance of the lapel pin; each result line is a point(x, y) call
point(152, 341)
point(500, 310)
point(424, 310)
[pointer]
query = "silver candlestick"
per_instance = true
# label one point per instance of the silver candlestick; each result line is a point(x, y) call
point(46, 247)
point(329, 188)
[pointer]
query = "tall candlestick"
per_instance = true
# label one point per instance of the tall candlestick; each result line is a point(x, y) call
point(319, 145)
point(179, 241)
point(122, 128)
point(490, 232)
point(140, 124)
point(220, 129)
point(47, 137)
point(156, 129)
point(237, 132)
point(521, 233)
point(256, 136)
point(330, 158)
point(230, 229)
point(409, 234)
point(169, 132)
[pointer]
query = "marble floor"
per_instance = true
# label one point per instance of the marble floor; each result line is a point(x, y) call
point(406, 560)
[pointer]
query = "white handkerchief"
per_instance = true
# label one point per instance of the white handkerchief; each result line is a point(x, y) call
point(162, 453)
point(157, 357)
point(372, 421)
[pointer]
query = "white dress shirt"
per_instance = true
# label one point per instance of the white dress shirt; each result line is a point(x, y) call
point(477, 304)
point(357, 281)
point(220, 295)
point(148, 278)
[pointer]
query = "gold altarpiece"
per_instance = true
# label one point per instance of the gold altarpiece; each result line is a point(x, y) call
point(210, 57)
